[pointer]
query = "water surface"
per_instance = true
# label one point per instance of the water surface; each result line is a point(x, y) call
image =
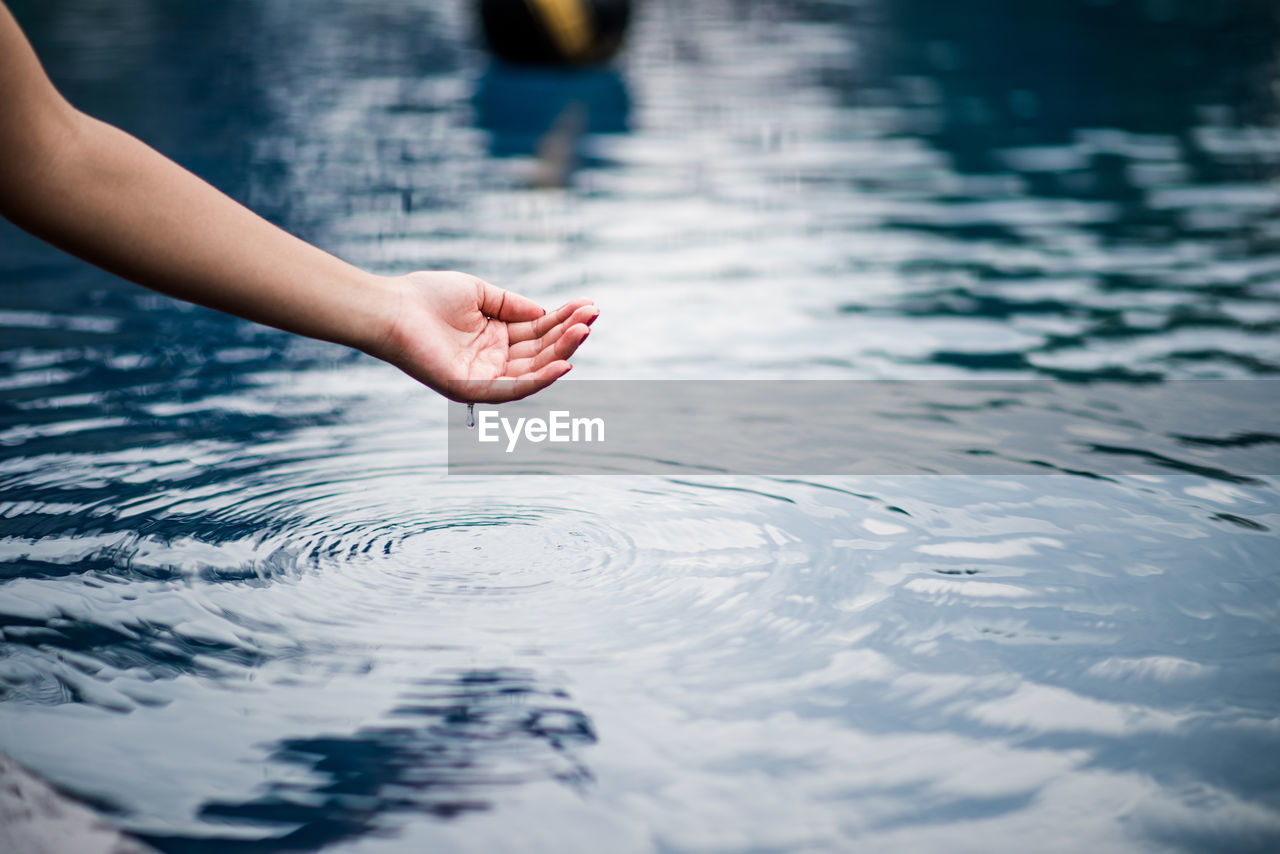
point(245, 608)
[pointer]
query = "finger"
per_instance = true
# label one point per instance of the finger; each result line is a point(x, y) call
point(511, 388)
point(563, 347)
point(518, 332)
point(505, 305)
point(586, 315)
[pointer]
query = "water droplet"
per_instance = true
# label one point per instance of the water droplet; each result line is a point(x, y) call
point(471, 415)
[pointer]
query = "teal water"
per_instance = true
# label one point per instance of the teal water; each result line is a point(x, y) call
point(245, 608)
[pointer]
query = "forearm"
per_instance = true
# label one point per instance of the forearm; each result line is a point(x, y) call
point(105, 196)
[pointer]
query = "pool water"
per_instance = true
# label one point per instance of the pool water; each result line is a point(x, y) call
point(245, 607)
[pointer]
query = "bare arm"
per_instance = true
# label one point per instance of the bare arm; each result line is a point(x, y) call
point(103, 195)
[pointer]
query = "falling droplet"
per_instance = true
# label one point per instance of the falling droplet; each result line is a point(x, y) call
point(471, 415)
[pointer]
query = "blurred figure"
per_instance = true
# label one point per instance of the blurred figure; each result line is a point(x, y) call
point(549, 84)
point(555, 32)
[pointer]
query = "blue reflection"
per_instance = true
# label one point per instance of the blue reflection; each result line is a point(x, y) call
point(546, 112)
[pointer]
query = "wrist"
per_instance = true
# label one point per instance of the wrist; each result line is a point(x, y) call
point(380, 333)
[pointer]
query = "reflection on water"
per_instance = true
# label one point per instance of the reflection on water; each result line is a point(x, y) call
point(244, 606)
point(459, 736)
point(1139, 225)
point(517, 106)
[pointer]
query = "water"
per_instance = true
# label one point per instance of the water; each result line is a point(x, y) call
point(245, 609)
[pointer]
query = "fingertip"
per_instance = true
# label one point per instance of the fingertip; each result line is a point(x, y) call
point(554, 371)
point(512, 307)
point(582, 318)
point(574, 304)
point(571, 340)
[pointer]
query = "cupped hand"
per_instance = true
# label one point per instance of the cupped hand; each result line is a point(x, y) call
point(476, 343)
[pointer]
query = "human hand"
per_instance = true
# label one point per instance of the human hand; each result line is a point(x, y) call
point(105, 196)
point(476, 343)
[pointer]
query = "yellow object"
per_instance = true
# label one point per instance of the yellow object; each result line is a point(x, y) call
point(568, 22)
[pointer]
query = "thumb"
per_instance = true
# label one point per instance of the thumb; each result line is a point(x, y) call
point(505, 305)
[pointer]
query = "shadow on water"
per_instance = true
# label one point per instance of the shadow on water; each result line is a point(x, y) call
point(456, 738)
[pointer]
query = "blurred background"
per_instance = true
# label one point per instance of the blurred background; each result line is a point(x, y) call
point(244, 608)
point(841, 168)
